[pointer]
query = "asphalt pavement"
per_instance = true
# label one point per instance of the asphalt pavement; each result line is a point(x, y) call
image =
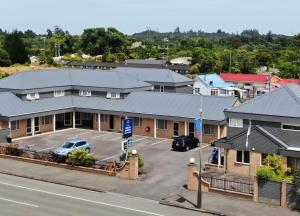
point(20, 196)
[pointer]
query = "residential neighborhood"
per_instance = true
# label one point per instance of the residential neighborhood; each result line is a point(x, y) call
point(149, 108)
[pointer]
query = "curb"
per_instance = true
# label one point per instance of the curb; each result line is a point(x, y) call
point(53, 182)
point(168, 203)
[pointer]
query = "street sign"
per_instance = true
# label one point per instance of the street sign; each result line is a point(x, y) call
point(198, 125)
point(125, 146)
point(127, 128)
point(129, 142)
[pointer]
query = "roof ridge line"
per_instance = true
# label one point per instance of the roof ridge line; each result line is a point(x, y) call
point(294, 96)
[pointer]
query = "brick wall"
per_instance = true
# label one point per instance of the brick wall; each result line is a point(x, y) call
point(146, 122)
point(181, 129)
point(168, 133)
point(46, 127)
point(22, 131)
point(95, 123)
point(3, 124)
point(239, 168)
point(209, 138)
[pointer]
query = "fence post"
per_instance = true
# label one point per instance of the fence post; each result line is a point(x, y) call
point(283, 194)
point(255, 189)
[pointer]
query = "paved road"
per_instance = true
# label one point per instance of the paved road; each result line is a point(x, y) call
point(19, 196)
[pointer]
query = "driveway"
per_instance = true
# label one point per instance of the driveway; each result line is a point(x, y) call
point(162, 165)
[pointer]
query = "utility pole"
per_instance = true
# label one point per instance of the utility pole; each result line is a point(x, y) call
point(199, 197)
point(229, 61)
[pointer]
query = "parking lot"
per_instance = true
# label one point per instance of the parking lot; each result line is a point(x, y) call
point(162, 165)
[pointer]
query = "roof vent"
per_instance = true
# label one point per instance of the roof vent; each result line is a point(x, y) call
point(211, 83)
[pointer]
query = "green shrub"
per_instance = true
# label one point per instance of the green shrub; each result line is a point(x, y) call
point(141, 161)
point(80, 157)
point(274, 170)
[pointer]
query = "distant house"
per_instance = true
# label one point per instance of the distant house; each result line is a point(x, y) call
point(213, 84)
point(272, 124)
point(256, 84)
point(181, 61)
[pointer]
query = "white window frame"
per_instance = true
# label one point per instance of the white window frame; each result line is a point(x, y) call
point(113, 95)
point(237, 123)
point(211, 128)
point(243, 157)
point(197, 90)
point(59, 93)
point(297, 125)
point(214, 92)
point(165, 124)
point(85, 93)
point(16, 126)
point(137, 122)
point(32, 96)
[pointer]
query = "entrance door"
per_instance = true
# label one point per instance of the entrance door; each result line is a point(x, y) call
point(28, 126)
point(78, 119)
point(111, 122)
point(191, 129)
point(68, 119)
point(37, 124)
point(175, 129)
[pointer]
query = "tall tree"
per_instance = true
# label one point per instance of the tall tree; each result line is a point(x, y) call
point(15, 48)
point(4, 58)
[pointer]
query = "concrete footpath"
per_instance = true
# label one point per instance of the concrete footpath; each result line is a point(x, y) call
point(168, 195)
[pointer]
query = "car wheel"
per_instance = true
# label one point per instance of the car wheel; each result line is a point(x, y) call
point(88, 150)
point(187, 148)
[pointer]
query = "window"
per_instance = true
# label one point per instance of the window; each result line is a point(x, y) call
point(103, 118)
point(80, 143)
point(59, 93)
point(48, 119)
point(162, 124)
point(290, 127)
point(162, 89)
point(210, 129)
point(137, 122)
point(86, 93)
point(15, 125)
point(113, 95)
point(242, 156)
point(191, 129)
point(214, 92)
point(32, 96)
point(196, 90)
point(236, 123)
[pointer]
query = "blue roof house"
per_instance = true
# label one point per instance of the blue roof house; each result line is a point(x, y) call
point(213, 84)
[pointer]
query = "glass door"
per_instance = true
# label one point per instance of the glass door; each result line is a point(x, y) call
point(28, 126)
point(175, 129)
point(37, 124)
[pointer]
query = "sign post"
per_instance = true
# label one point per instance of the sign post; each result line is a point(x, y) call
point(127, 128)
point(198, 124)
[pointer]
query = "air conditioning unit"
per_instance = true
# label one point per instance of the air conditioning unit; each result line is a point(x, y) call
point(32, 96)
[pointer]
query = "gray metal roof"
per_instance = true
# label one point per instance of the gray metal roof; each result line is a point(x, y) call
point(71, 77)
point(153, 75)
point(143, 102)
point(284, 101)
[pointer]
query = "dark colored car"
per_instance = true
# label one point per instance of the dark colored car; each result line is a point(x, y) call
point(184, 143)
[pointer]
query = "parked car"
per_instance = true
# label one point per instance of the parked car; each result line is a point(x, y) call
point(65, 149)
point(184, 143)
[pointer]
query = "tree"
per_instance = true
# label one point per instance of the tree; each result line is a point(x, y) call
point(4, 58)
point(15, 48)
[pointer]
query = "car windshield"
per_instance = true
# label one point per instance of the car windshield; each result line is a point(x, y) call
point(67, 145)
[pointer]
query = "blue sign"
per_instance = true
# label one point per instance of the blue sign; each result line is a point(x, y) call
point(129, 142)
point(127, 128)
point(198, 125)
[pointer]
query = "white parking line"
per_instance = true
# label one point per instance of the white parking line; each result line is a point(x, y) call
point(105, 159)
point(102, 135)
point(152, 144)
point(45, 149)
point(76, 135)
point(81, 199)
point(202, 147)
point(20, 203)
point(140, 139)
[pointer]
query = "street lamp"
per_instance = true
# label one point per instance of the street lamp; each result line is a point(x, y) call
point(192, 160)
point(133, 152)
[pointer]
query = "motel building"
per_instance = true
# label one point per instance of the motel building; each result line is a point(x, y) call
point(159, 101)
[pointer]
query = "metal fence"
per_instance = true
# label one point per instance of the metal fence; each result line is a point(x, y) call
point(230, 185)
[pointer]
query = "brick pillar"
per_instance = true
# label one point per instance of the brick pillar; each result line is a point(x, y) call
point(192, 180)
point(255, 189)
point(283, 194)
point(133, 168)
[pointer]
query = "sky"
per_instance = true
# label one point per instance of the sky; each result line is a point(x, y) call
point(130, 16)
